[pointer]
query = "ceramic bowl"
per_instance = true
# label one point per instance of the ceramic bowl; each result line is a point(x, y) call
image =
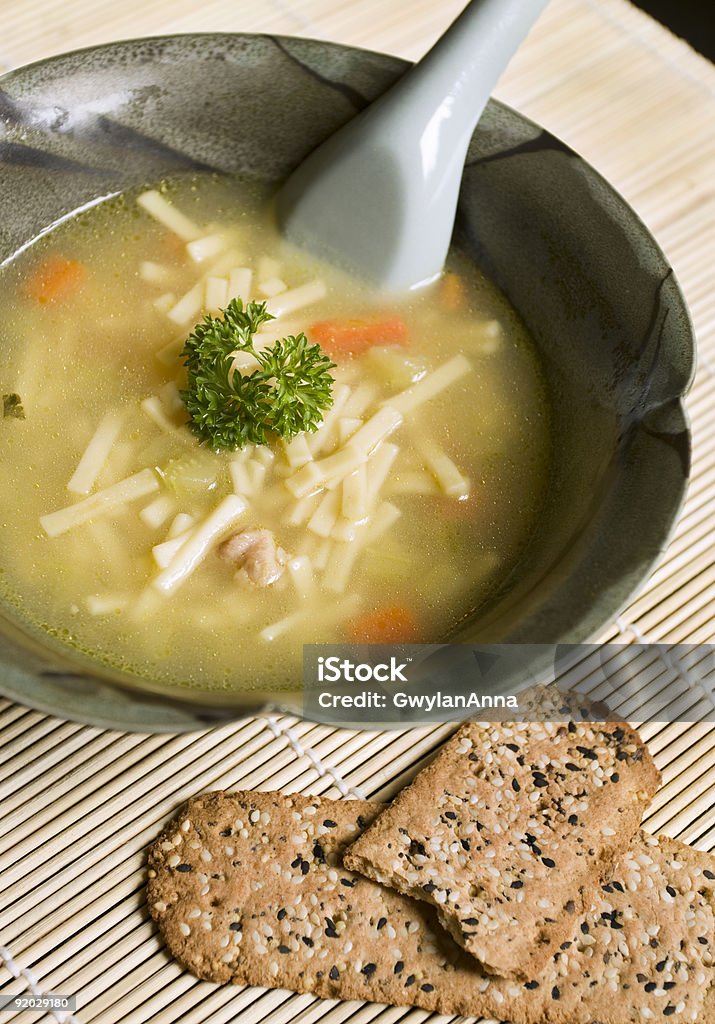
point(574, 260)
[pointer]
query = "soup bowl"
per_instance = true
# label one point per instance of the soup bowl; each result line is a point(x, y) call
point(576, 263)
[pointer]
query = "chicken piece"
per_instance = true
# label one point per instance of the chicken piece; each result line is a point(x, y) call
point(254, 550)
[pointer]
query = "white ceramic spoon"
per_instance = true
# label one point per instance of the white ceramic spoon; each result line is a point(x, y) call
point(379, 196)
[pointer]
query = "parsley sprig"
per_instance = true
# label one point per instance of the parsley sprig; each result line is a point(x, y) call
point(286, 394)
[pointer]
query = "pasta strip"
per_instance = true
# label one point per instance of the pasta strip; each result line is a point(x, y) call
point(239, 283)
point(163, 211)
point(158, 511)
point(198, 545)
point(201, 249)
point(431, 385)
point(446, 473)
point(297, 298)
point(323, 519)
point(95, 454)
point(107, 500)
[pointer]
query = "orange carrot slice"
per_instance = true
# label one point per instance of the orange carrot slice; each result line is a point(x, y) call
point(55, 279)
point(390, 624)
point(353, 337)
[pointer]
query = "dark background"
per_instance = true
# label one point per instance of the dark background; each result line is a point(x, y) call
point(694, 20)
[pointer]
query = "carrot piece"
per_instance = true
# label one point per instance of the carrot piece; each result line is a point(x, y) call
point(390, 624)
point(54, 279)
point(356, 336)
point(451, 291)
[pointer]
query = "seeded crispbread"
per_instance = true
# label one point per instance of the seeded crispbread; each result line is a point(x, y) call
point(508, 832)
point(249, 888)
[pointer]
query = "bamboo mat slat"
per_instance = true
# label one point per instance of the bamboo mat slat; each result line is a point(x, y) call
point(79, 805)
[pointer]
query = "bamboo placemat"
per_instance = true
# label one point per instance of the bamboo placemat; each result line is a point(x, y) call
point(78, 805)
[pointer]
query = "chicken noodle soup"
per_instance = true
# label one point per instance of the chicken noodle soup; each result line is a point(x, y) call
point(131, 540)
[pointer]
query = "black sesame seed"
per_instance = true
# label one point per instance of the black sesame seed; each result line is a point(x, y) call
point(702, 940)
point(381, 923)
point(641, 978)
point(669, 1010)
point(531, 984)
point(429, 887)
point(235, 926)
point(540, 781)
point(307, 941)
point(565, 945)
point(472, 921)
point(709, 874)
point(651, 986)
point(618, 886)
point(334, 974)
point(283, 949)
point(417, 848)
point(584, 927)
point(573, 819)
point(297, 862)
point(399, 967)
point(304, 867)
point(369, 969)
point(615, 777)
point(570, 907)
point(618, 734)
point(329, 823)
point(660, 967)
point(671, 891)
point(548, 862)
point(555, 993)
point(410, 981)
point(451, 815)
point(667, 985)
point(515, 785)
point(348, 882)
point(226, 832)
point(621, 756)
point(518, 884)
point(514, 747)
point(427, 987)
point(282, 913)
point(319, 853)
point(330, 933)
point(571, 727)
point(572, 767)
point(465, 844)
point(184, 867)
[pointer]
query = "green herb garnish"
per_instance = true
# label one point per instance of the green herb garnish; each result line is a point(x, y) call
point(285, 395)
point(12, 407)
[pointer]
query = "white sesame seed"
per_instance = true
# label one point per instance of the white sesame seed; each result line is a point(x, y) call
point(206, 855)
point(607, 831)
point(195, 912)
point(184, 928)
point(254, 816)
point(160, 906)
point(174, 860)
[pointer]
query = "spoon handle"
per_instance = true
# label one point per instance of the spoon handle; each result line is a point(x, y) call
point(379, 196)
